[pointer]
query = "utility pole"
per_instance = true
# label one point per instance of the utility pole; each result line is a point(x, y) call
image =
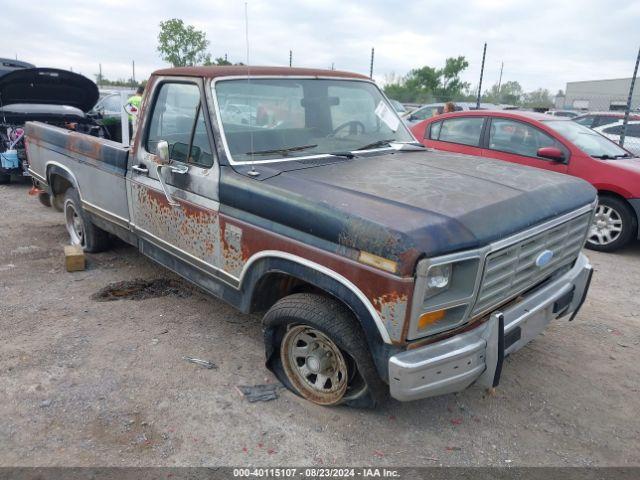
point(500, 81)
point(290, 58)
point(484, 53)
point(628, 109)
point(133, 70)
point(99, 74)
point(371, 65)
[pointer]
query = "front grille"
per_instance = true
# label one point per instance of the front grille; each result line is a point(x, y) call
point(512, 270)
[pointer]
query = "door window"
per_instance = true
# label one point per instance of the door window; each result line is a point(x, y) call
point(517, 137)
point(111, 104)
point(434, 130)
point(178, 119)
point(601, 121)
point(463, 130)
point(633, 130)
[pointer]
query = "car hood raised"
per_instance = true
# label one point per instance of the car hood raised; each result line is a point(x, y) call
point(48, 86)
point(407, 204)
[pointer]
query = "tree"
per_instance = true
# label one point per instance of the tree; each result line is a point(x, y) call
point(427, 83)
point(102, 81)
point(220, 61)
point(182, 45)
point(540, 98)
point(510, 92)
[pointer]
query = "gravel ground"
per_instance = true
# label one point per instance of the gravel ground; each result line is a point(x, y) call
point(88, 382)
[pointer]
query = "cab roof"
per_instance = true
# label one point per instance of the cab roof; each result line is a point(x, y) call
point(254, 71)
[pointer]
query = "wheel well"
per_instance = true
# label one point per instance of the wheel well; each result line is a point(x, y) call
point(609, 193)
point(276, 285)
point(59, 184)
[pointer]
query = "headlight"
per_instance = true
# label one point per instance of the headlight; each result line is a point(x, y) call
point(438, 278)
point(444, 293)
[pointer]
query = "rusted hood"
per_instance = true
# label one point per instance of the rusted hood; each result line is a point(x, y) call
point(406, 204)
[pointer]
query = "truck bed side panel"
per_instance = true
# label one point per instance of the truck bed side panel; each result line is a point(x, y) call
point(98, 165)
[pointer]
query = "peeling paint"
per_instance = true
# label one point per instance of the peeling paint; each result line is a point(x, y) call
point(190, 228)
point(393, 310)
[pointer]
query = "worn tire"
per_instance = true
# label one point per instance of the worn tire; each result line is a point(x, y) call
point(57, 202)
point(334, 320)
point(5, 179)
point(91, 238)
point(44, 199)
point(629, 224)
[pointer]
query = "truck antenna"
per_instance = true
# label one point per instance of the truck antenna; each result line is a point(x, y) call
point(253, 172)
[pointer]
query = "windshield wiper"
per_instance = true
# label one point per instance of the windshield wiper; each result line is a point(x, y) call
point(382, 143)
point(282, 151)
point(379, 143)
point(342, 154)
point(624, 155)
point(604, 157)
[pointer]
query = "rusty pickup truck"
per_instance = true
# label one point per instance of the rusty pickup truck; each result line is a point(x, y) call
point(383, 267)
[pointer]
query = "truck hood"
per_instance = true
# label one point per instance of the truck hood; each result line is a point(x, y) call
point(407, 204)
point(48, 86)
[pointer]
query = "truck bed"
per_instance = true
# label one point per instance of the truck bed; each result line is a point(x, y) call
point(96, 165)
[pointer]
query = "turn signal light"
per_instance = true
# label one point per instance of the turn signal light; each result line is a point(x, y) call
point(430, 318)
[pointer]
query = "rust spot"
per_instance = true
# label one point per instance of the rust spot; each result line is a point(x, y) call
point(393, 311)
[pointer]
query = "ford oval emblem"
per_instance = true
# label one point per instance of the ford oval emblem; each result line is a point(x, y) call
point(544, 258)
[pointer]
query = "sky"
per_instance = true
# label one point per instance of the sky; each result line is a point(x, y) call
point(542, 43)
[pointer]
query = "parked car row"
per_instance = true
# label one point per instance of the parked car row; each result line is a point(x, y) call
point(552, 143)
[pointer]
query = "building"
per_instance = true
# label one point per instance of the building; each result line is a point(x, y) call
point(601, 95)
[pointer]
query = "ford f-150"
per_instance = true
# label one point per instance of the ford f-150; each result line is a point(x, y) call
point(382, 266)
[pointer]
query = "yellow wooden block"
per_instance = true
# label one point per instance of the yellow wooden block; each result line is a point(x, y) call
point(73, 258)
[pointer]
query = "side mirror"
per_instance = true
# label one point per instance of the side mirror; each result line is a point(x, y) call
point(412, 118)
point(551, 153)
point(162, 152)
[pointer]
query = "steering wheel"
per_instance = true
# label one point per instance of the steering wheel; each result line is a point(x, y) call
point(353, 125)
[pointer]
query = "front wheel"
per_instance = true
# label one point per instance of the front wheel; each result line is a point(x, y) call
point(614, 225)
point(317, 350)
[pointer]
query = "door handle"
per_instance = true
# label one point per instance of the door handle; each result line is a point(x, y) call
point(141, 169)
point(181, 169)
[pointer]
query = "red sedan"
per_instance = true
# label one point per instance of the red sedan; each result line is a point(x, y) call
point(552, 143)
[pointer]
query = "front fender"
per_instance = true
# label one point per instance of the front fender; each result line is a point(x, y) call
point(332, 283)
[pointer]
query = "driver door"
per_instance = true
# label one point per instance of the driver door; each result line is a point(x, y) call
point(174, 207)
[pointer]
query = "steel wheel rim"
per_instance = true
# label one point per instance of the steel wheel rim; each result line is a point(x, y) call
point(606, 227)
point(314, 365)
point(74, 224)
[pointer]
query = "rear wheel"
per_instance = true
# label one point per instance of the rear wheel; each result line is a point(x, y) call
point(317, 350)
point(81, 231)
point(44, 199)
point(614, 225)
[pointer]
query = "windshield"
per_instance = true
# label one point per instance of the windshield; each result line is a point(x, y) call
point(267, 119)
point(590, 142)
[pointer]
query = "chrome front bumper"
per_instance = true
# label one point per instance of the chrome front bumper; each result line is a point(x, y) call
point(476, 356)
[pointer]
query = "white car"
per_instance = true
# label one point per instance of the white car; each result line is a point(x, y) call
point(632, 137)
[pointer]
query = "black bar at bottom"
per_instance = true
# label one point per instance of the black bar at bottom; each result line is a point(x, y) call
point(496, 376)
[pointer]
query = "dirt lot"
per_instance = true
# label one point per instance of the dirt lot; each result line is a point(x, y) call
point(87, 382)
